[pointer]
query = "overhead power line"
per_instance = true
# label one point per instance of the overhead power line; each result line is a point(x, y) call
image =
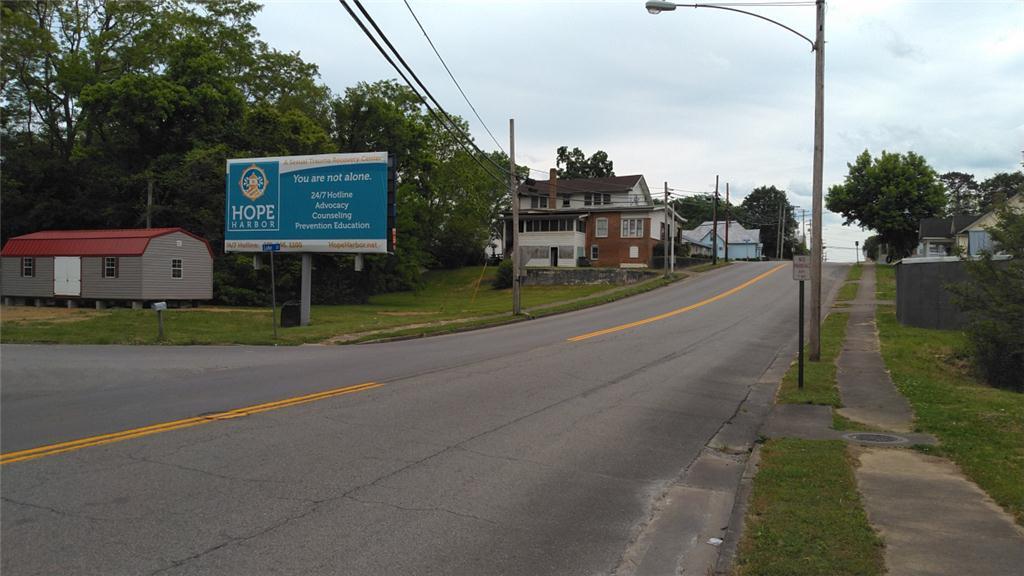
point(452, 129)
point(452, 76)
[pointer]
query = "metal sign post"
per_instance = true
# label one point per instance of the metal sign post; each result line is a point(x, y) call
point(801, 272)
point(268, 247)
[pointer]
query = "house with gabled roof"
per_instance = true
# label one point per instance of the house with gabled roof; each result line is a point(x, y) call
point(973, 238)
point(743, 244)
point(606, 222)
point(102, 266)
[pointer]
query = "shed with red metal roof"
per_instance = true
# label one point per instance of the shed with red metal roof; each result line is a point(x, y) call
point(136, 265)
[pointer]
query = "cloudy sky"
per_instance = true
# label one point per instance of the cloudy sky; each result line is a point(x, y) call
point(685, 95)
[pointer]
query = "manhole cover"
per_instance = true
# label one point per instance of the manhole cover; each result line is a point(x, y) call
point(871, 438)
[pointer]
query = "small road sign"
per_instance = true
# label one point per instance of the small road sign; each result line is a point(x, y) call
point(801, 268)
point(268, 247)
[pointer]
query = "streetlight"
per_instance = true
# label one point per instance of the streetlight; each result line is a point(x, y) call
point(818, 47)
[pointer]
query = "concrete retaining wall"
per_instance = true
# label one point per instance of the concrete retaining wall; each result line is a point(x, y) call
point(576, 276)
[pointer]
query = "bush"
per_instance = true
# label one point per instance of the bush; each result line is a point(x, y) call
point(993, 298)
point(503, 279)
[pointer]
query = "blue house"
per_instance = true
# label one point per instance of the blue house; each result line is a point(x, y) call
point(743, 244)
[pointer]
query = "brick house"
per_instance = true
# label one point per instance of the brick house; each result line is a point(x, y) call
point(606, 222)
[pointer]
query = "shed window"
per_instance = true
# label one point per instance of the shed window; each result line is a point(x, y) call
point(176, 268)
point(601, 227)
point(28, 267)
point(632, 227)
point(110, 266)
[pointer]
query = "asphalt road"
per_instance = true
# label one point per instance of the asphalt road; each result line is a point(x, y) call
point(508, 450)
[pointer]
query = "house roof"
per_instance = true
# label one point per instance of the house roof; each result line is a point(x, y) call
point(609, 184)
point(1015, 200)
point(944, 227)
point(737, 233)
point(129, 242)
point(935, 228)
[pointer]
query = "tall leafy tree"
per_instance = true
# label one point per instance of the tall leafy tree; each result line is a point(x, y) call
point(890, 194)
point(963, 195)
point(761, 208)
point(1000, 187)
point(575, 164)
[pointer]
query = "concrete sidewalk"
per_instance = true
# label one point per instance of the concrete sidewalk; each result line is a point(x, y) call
point(933, 520)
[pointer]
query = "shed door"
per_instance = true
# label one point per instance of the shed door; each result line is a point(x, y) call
point(67, 276)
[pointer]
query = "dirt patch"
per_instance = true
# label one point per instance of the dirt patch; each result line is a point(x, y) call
point(46, 314)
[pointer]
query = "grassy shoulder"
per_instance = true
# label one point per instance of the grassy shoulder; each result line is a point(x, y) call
point(855, 272)
point(709, 266)
point(847, 292)
point(980, 428)
point(450, 300)
point(819, 377)
point(805, 516)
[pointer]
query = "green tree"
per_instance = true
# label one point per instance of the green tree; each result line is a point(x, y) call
point(575, 164)
point(870, 247)
point(761, 208)
point(963, 195)
point(994, 301)
point(700, 208)
point(1000, 187)
point(890, 194)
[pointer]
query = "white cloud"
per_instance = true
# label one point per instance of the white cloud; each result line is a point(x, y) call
point(686, 95)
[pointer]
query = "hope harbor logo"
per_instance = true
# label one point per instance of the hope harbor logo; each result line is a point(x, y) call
point(253, 198)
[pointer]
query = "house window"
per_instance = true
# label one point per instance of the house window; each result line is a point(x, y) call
point(110, 266)
point(581, 226)
point(565, 200)
point(634, 251)
point(601, 228)
point(538, 201)
point(176, 268)
point(593, 252)
point(632, 227)
point(595, 199)
point(28, 267)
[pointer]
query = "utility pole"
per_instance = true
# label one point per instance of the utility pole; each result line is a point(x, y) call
point(666, 236)
point(856, 250)
point(672, 242)
point(817, 253)
point(803, 227)
point(514, 196)
point(727, 214)
point(778, 234)
point(714, 226)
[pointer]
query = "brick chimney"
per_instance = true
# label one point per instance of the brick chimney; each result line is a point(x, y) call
point(553, 189)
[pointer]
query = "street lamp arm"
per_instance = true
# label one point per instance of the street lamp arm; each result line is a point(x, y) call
point(655, 7)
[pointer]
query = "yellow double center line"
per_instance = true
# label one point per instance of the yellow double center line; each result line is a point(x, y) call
point(677, 311)
point(72, 445)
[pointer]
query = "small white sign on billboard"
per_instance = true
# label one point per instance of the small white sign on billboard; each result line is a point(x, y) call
point(801, 268)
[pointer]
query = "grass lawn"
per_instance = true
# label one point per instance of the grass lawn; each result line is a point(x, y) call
point(885, 282)
point(805, 516)
point(447, 297)
point(980, 428)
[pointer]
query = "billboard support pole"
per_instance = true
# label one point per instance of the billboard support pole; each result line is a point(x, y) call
point(307, 273)
point(273, 296)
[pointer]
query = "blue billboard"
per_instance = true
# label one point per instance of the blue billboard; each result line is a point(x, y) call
point(341, 203)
